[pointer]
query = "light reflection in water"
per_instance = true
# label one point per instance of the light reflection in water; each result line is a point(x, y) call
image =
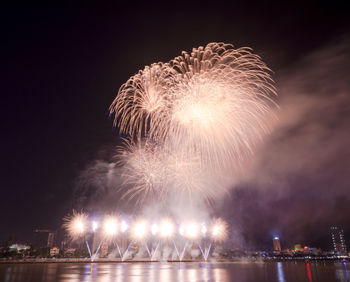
point(182, 272)
point(280, 273)
point(50, 272)
point(192, 274)
point(218, 274)
point(205, 271)
point(346, 271)
point(308, 272)
point(119, 273)
point(135, 273)
point(181, 268)
point(341, 272)
point(165, 273)
point(153, 270)
point(8, 274)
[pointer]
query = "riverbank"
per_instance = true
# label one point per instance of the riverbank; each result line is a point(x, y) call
point(118, 260)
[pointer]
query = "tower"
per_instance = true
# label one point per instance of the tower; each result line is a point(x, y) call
point(276, 244)
point(338, 240)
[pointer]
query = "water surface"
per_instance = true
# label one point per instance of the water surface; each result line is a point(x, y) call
point(189, 271)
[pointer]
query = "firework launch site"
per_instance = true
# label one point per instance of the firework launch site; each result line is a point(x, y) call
point(188, 127)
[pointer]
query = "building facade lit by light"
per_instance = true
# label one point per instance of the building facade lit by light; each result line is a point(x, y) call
point(298, 248)
point(276, 244)
point(338, 240)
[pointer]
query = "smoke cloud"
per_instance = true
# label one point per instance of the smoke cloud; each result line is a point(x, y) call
point(297, 184)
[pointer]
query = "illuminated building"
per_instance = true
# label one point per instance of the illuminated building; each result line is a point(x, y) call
point(54, 251)
point(19, 248)
point(338, 240)
point(276, 244)
point(51, 239)
point(298, 248)
point(69, 252)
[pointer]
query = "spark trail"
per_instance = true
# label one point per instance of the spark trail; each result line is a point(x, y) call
point(193, 120)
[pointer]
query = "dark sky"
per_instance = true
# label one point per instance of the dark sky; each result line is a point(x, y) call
point(61, 69)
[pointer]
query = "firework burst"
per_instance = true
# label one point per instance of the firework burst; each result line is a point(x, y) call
point(143, 170)
point(76, 224)
point(219, 230)
point(142, 102)
point(155, 171)
point(220, 103)
point(201, 114)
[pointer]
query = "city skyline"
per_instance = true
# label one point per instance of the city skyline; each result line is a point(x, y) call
point(63, 69)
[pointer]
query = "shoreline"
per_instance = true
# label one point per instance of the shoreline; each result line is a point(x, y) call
point(88, 260)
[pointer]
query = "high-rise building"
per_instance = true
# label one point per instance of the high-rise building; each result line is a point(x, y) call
point(338, 240)
point(276, 244)
point(51, 239)
point(44, 238)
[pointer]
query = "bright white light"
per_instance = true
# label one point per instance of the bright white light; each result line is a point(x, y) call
point(79, 225)
point(123, 226)
point(204, 229)
point(216, 230)
point(110, 226)
point(94, 226)
point(166, 228)
point(182, 230)
point(219, 230)
point(139, 230)
point(154, 229)
point(76, 225)
point(192, 230)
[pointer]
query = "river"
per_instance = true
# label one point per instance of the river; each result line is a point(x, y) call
point(185, 271)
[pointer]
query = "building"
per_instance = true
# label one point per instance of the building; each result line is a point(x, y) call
point(314, 251)
point(19, 248)
point(298, 248)
point(276, 244)
point(51, 238)
point(44, 238)
point(69, 252)
point(338, 240)
point(54, 251)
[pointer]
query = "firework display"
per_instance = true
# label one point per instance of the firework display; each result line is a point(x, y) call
point(76, 224)
point(192, 121)
point(155, 171)
point(189, 123)
point(147, 233)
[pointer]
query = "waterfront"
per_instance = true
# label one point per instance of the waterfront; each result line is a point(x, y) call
point(185, 271)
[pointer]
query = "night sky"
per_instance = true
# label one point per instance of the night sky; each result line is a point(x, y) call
point(61, 69)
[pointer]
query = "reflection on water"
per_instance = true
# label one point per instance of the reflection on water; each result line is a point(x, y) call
point(8, 274)
point(280, 273)
point(342, 272)
point(189, 271)
point(308, 272)
point(346, 271)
